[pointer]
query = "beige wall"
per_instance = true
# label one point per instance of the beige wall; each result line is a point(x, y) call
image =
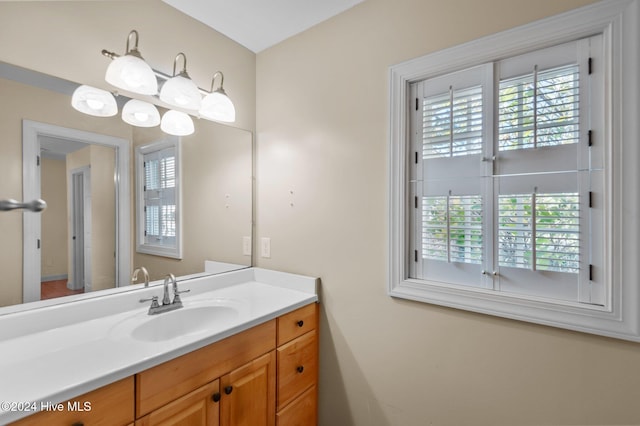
point(54, 218)
point(322, 178)
point(103, 217)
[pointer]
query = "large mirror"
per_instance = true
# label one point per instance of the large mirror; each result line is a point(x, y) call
point(84, 167)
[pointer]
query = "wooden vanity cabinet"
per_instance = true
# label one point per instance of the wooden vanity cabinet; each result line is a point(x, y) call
point(297, 358)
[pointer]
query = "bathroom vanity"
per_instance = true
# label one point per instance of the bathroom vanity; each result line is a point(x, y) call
point(242, 351)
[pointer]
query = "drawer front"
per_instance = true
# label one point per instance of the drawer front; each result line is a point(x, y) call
point(297, 323)
point(303, 411)
point(111, 405)
point(297, 367)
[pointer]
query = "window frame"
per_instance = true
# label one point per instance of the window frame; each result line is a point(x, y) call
point(172, 251)
point(618, 22)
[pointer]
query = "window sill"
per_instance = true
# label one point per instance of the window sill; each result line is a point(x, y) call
point(593, 319)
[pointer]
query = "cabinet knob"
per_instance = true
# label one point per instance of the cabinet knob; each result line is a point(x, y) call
point(216, 397)
point(228, 390)
point(300, 323)
point(77, 423)
point(300, 369)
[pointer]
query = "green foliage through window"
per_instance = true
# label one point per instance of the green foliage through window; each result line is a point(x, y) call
point(551, 219)
point(539, 109)
point(452, 228)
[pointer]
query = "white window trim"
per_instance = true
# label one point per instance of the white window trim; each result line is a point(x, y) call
point(141, 246)
point(618, 21)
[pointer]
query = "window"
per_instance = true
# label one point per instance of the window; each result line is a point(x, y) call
point(506, 173)
point(158, 198)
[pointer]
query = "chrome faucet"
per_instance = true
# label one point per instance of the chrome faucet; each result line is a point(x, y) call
point(145, 274)
point(169, 278)
point(167, 304)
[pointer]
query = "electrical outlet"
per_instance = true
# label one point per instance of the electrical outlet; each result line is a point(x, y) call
point(246, 246)
point(265, 247)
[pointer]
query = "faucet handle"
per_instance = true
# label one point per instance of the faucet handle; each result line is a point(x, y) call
point(154, 301)
point(176, 295)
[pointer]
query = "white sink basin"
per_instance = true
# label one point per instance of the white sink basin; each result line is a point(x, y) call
point(193, 318)
point(183, 322)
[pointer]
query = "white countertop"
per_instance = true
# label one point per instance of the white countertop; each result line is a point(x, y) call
point(52, 354)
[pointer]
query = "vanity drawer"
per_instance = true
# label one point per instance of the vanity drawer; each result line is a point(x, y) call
point(110, 405)
point(297, 367)
point(297, 323)
point(302, 411)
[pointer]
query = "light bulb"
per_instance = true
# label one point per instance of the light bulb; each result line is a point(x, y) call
point(140, 113)
point(177, 123)
point(141, 116)
point(95, 104)
point(93, 101)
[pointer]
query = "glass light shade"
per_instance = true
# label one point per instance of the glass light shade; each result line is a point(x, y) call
point(94, 101)
point(140, 113)
point(131, 73)
point(176, 123)
point(218, 106)
point(181, 92)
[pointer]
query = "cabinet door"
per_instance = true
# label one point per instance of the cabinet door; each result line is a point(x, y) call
point(198, 408)
point(249, 394)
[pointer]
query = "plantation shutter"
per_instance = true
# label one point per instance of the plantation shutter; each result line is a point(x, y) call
point(544, 173)
point(503, 176)
point(447, 177)
point(160, 197)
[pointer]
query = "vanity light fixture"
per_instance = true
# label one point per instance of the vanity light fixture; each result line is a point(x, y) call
point(94, 101)
point(217, 105)
point(130, 72)
point(140, 113)
point(176, 123)
point(180, 91)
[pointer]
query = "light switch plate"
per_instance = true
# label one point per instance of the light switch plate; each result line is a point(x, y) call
point(246, 246)
point(265, 247)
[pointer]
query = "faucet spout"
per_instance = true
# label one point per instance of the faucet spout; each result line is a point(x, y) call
point(145, 274)
point(170, 278)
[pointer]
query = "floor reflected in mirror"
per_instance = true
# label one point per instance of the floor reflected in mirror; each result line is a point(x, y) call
point(52, 289)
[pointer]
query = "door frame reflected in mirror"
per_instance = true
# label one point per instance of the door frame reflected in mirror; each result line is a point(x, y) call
point(32, 131)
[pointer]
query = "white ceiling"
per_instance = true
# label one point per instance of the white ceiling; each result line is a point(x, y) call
point(259, 24)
